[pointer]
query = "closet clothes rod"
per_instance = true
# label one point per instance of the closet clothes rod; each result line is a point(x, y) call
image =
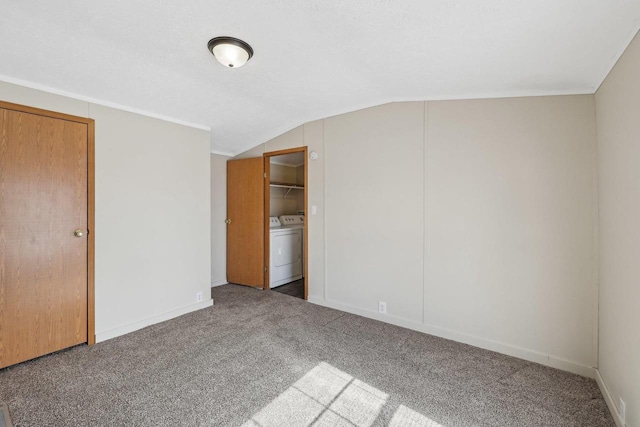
point(289, 186)
point(283, 185)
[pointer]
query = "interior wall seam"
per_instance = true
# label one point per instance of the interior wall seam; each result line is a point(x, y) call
point(324, 211)
point(596, 237)
point(425, 114)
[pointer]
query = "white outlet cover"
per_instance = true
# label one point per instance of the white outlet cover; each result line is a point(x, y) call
point(382, 307)
point(199, 297)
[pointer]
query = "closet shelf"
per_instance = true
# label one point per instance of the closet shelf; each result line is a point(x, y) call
point(285, 185)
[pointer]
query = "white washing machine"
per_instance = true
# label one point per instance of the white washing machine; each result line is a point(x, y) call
point(286, 245)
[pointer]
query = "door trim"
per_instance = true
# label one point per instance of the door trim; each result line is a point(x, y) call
point(267, 195)
point(91, 326)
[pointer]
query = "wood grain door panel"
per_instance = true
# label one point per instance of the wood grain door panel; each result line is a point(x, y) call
point(245, 233)
point(43, 266)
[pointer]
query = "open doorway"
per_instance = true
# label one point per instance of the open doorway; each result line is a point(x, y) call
point(286, 236)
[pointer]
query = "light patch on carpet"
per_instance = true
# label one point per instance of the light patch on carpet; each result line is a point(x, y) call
point(5, 419)
point(327, 396)
point(292, 407)
point(405, 417)
point(323, 383)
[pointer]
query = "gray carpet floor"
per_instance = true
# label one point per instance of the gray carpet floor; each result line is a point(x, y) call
point(265, 359)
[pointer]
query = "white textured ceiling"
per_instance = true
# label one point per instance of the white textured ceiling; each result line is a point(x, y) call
point(313, 59)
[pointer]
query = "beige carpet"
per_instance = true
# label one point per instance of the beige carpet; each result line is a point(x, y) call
point(265, 359)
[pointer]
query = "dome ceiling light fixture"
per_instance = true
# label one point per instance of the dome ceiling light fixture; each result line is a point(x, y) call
point(230, 51)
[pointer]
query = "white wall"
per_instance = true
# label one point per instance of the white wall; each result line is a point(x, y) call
point(618, 120)
point(281, 203)
point(300, 175)
point(218, 216)
point(472, 220)
point(510, 224)
point(284, 201)
point(282, 173)
point(374, 208)
point(152, 213)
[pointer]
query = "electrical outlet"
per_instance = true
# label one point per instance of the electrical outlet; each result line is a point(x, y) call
point(199, 297)
point(382, 307)
point(623, 410)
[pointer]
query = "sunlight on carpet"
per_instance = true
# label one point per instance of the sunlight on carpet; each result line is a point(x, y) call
point(5, 419)
point(327, 396)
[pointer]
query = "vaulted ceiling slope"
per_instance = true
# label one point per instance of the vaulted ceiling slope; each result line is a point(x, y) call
point(313, 59)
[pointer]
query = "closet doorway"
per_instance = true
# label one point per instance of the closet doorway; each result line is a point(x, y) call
point(286, 230)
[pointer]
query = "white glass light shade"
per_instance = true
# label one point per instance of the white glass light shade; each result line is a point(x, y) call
point(230, 52)
point(231, 56)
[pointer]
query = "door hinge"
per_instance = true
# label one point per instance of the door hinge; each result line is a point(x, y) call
point(265, 269)
point(265, 174)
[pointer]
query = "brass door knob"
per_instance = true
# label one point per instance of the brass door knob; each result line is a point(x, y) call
point(78, 233)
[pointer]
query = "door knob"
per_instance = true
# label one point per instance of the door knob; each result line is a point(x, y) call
point(78, 233)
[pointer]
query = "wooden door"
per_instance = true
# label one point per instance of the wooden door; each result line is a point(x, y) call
point(43, 264)
point(245, 222)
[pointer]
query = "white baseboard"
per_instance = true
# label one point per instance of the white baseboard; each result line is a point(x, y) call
point(123, 330)
point(607, 398)
point(219, 283)
point(487, 344)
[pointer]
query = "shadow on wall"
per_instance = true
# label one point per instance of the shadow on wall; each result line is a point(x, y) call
point(326, 396)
